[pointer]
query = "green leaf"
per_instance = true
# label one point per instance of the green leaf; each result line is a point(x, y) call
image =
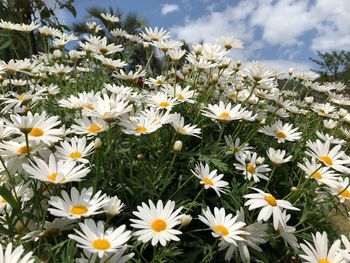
point(5, 45)
point(71, 9)
point(6, 194)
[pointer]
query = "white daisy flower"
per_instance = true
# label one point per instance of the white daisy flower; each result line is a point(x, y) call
point(56, 172)
point(319, 253)
point(16, 153)
point(157, 116)
point(323, 175)
point(89, 126)
point(223, 226)
point(154, 34)
point(117, 257)
point(324, 109)
point(277, 156)
point(330, 124)
point(257, 235)
point(334, 157)
point(224, 112)
point(269, 205)
point(161, 101)
point(95, 239)
point(179, 93)
point(326, 137)
point(235, 147)
point(210, 179)
point(21, 192)
point(282, 132)
point(342, 190)
point(345, 252)
point(157, 223)
point(286, 232)
point(113, 207)
point(108, 108)
point(178, 122)
point(39, 127)
point(15, 256)
point(252, 166)
point(77, 205)
point(139, 125)
point(75, 150)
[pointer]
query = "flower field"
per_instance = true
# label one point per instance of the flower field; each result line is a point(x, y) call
point(199, 158)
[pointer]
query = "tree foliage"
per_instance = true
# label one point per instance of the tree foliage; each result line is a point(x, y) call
point(333, 66)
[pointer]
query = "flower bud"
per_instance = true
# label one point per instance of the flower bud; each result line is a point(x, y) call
point(97, 143)
point(145, 45)
point(186, 220)
point(73, 55)
point(140, 156)
point(57, 53)
point(342, 113)
point(177, 146)
point(293, 189)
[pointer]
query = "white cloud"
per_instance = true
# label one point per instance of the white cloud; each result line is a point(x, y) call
point(288, 26)
point(169, 8)
point(285, 65)
point(215, 24)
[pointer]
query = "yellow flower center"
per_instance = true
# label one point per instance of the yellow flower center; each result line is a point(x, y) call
point(208, 181)
point(159, 225)
point(224, 115)
point(317, 175)
point(24, 150)
point(159, 82)
point(281, 134)
point(52, 177)
point(101, 244)
point(22, 97)
point(88, 107)
point(180, 97)
point(323, 112)
point(271, 200)
point(3, 201)
point(94, 128)
point(79, 210)
point(164, 104)
point(250, 168)
point(234, 149)
point(36, 132)
point(75, 155)
point(141, 129)
point(233, 96)
point(345, 193)
point(221, 230)
point(326, 159)
point(182, 130)
point(324, 260)
point(103, 50)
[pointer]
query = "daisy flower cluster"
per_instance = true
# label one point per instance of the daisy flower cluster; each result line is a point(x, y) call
point(120, 146)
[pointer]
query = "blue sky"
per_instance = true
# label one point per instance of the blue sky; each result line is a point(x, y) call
point(281, 33)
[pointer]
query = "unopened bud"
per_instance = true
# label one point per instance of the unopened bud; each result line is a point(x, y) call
point(57, 53)
point(186, 220)
point(19, 227)
point(293, 189)
point(97, 143)
point(177, 146)
point(342, 113)
point(73, 55)
point(145, 45)
point(140, 156)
